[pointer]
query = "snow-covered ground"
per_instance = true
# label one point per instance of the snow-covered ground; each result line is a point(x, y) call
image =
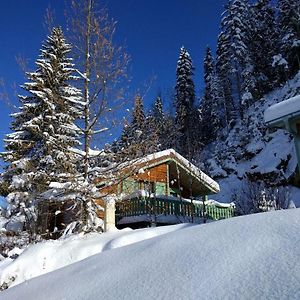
point(249, 257)
point(252, 152)
point(42, 258)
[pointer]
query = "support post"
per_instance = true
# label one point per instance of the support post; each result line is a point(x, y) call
point(204, 198)
point(292, 128)
point(109, 217)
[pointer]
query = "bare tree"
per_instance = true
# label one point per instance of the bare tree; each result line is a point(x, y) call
point(254, 197)
point(102, 66)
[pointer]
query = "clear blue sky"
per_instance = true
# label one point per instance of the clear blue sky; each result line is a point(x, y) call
point(153, 31)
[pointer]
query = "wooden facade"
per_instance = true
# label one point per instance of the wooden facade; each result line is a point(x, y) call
point(163, 187)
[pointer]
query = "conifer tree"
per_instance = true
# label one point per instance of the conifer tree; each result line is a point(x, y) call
point(157, 110)
point(263, 46)
point(211, 103)
point(43, 131)
point(235, 25)
point(132, 142)
point(158, 122)
point(289, 28)
point(184, 102)
point(223, 73)
point(138, 114)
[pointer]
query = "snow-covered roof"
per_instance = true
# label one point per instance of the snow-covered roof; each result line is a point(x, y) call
point(166, 155)
point(276, 113)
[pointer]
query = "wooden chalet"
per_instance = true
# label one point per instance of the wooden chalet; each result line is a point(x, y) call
point(161, 188)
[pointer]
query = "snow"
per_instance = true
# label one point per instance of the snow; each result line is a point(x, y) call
point(261, 154)
point(92, 152)
point(288, 108)
point(278, 60)
point(250, 257)
point(42, 258)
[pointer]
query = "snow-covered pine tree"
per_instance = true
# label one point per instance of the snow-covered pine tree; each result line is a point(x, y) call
point(157, 122)
point(289, 28)
point(235, 25)
point(157, 111)
point(210, 106)
point(163, 124)
point(263, 46)
point(138, 114)
point(184, 102)
point(133, 141)
point(43, 131)
point(223, 73)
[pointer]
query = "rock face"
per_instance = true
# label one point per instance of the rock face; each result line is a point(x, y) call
point(249, 153)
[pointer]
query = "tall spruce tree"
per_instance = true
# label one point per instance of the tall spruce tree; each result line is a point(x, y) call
point(235, 25)
point(210, 106)
point(184, 102)
point(157, 122)
point(289, 28)
point(264, 45)
point(223, 73)
point(133, 141)
point(43, 131)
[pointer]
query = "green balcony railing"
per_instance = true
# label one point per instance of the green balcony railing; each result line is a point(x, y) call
point(156, 206)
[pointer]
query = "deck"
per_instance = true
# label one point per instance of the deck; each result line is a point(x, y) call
point(165, 211)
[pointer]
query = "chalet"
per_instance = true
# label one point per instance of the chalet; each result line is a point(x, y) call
point(161, 188)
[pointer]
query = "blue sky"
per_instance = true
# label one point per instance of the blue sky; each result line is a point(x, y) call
point(152, 30)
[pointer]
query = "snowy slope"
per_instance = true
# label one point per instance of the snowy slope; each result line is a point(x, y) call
point(42, 257)
point(252, 152)
point(250, 257)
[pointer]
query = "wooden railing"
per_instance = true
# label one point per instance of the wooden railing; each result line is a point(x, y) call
point(156, 206)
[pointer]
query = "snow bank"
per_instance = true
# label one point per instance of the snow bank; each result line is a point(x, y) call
point(250, 257)
point(43, 257)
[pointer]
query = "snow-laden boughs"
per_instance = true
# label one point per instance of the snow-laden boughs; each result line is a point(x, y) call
point(235, 27)
point(289, 29)
point(185, 120)
point(140, 136)
point(43, 130)
point(211, 107)
point(264, 44)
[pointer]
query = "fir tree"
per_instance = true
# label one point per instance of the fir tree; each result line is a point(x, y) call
point(133, 141)
point(184, 101)
point(289, 27)
point(138, 115)
point(263, 46)
point(235, 26)
point(38, 149)
point(157, 122)
point(223, 73)
point(211, 103)
point(157, 110)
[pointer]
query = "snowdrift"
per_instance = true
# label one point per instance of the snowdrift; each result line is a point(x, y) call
point(51, 255)
point(250, 257)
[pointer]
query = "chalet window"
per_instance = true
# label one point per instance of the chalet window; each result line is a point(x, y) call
point(147, 186)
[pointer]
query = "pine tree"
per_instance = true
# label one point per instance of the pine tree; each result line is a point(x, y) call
point(223, 73)
point(132, 143)
point(184, 102)
point(264, 45)
point(38, 149)
point(138, 115)
point(157, 122)
point(210, 106)
point(235, 26)
point(289, 27)
point(157, 110)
